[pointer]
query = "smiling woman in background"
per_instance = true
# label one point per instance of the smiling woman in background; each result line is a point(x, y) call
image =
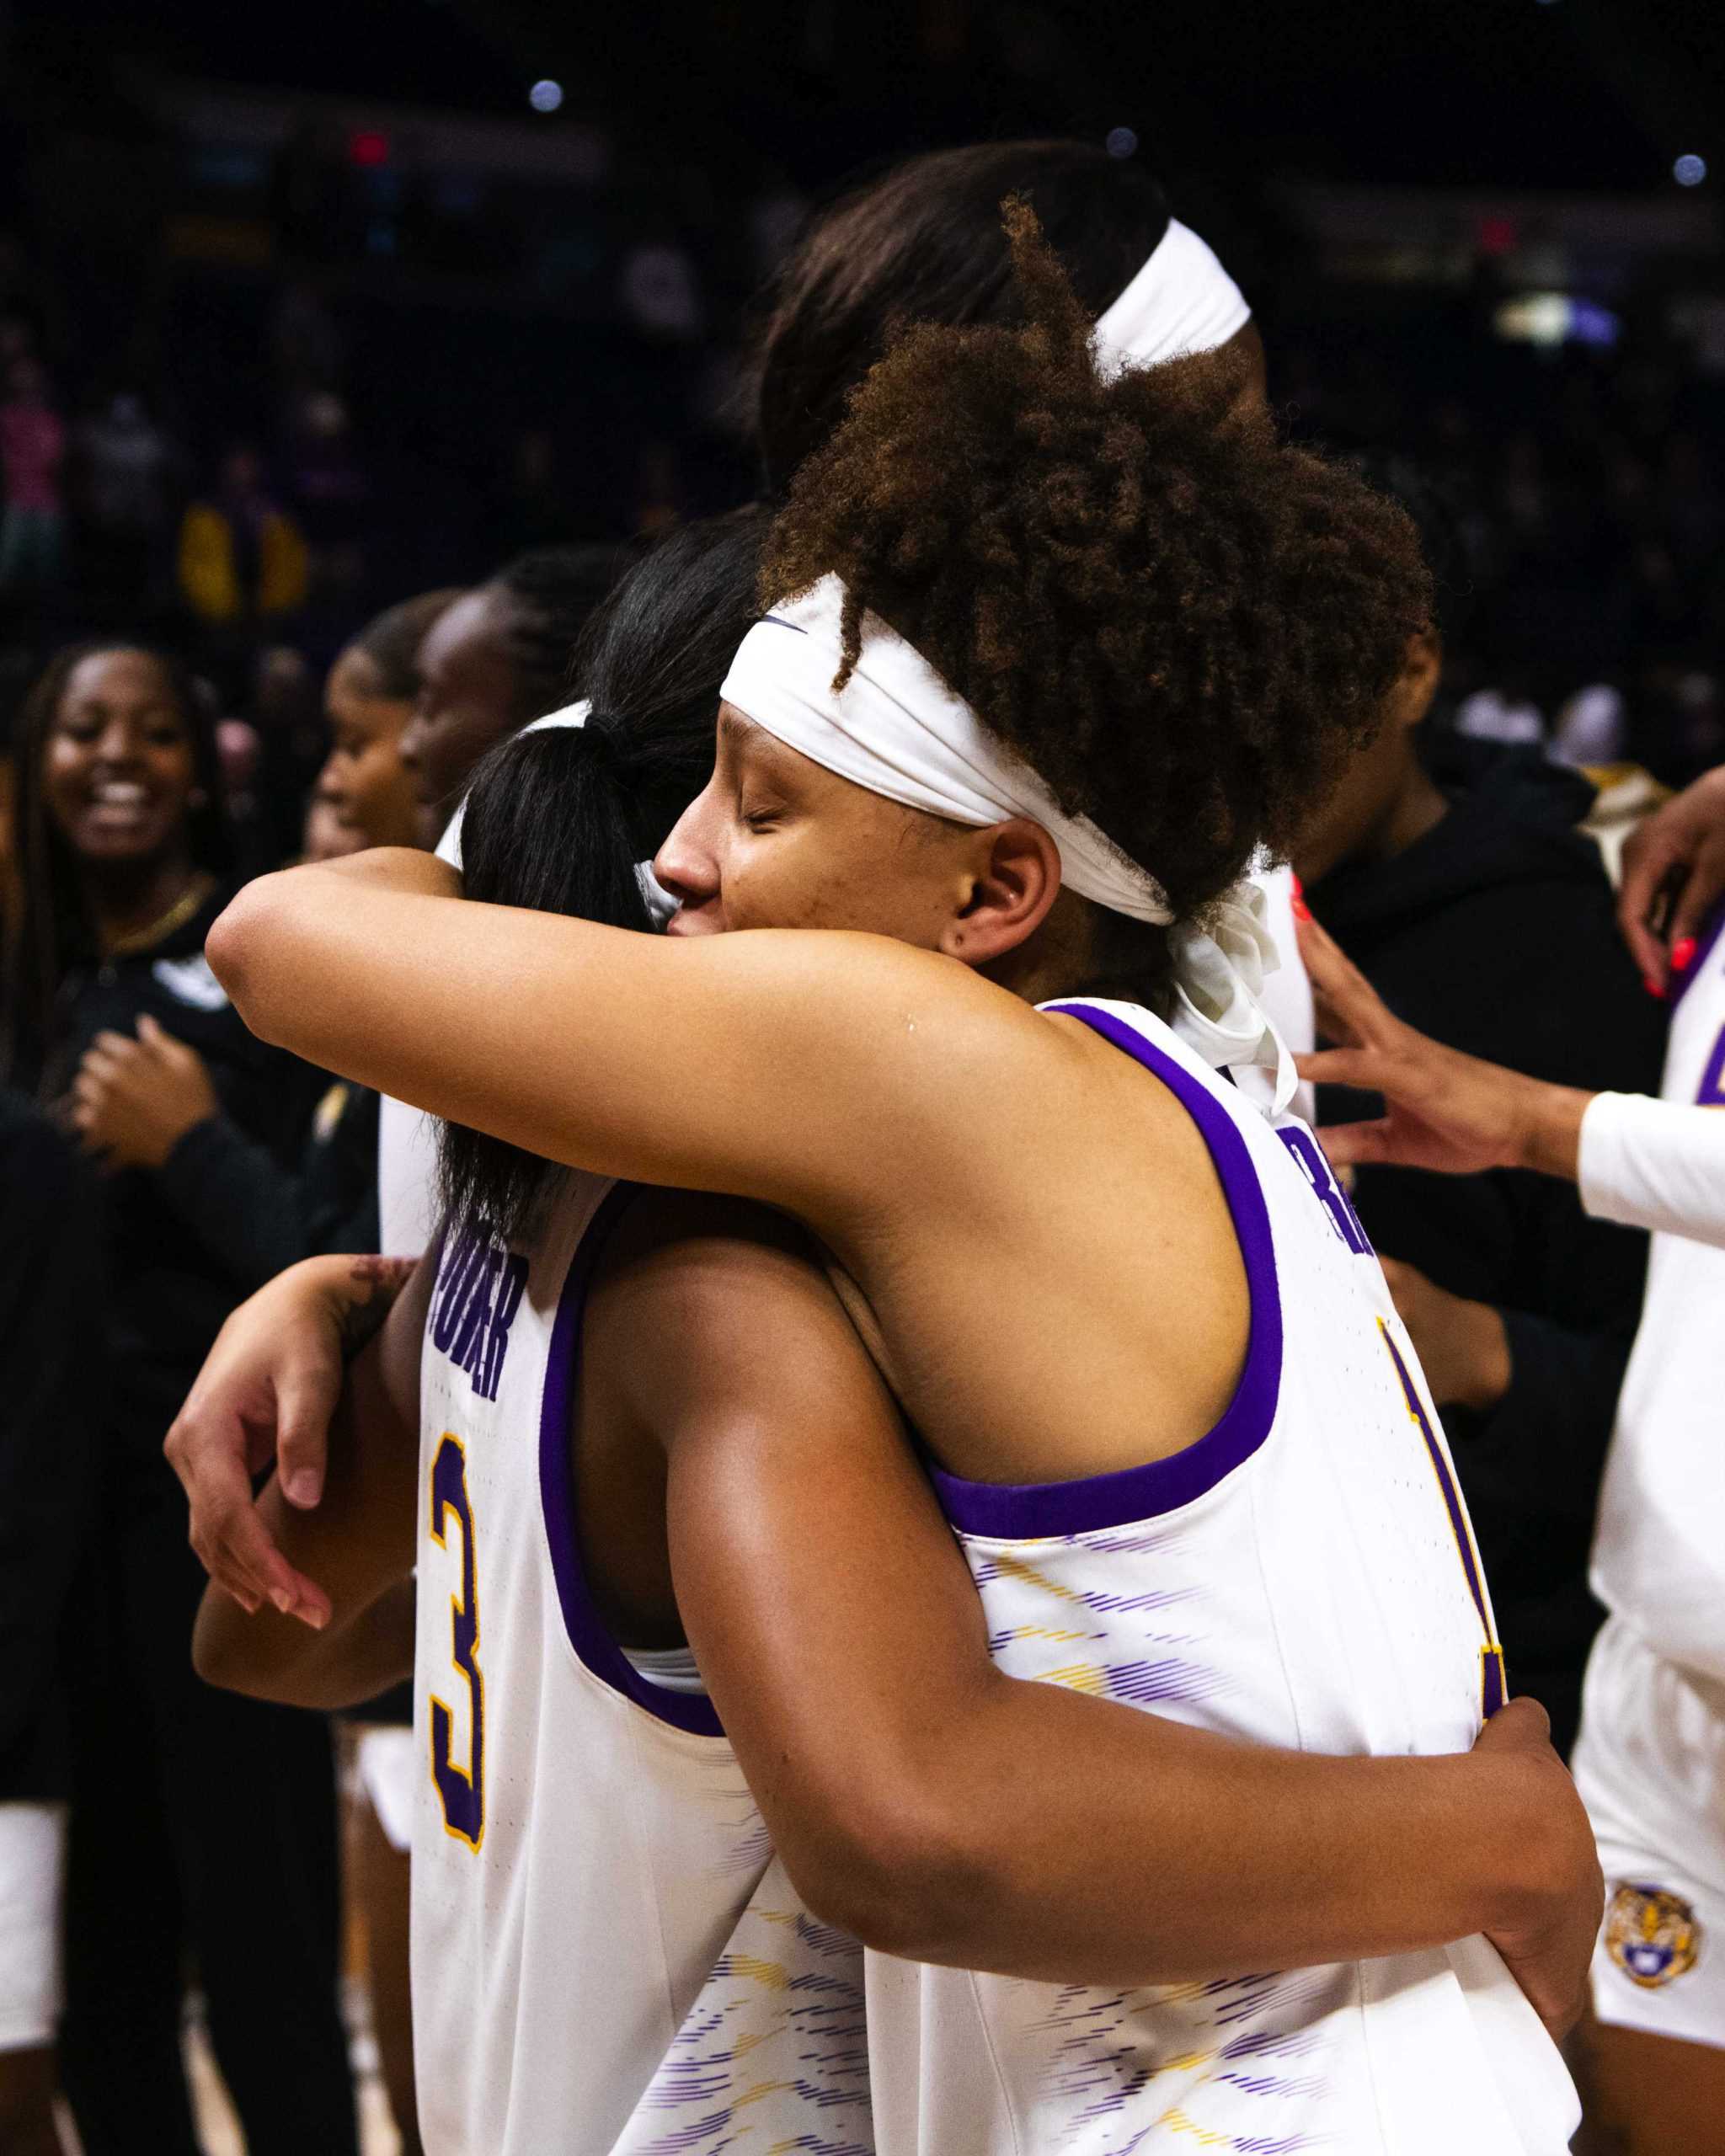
point(367, 791)
point(123, 864)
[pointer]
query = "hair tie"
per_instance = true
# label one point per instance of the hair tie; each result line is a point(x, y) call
point(607, 742)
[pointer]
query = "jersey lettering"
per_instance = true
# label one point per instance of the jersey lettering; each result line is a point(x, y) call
point(460, 1790)
point(1309, 1155)
point(480, 1291)
point(1494, 1688)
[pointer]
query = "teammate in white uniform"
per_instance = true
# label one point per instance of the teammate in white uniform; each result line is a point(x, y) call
point(1303, 1575)
point(1651, 1759)
point(1010, 1199)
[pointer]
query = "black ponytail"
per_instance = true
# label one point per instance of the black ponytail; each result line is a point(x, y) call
point(556, 820)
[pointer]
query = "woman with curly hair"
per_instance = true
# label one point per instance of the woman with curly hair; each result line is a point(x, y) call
point(1052, 650)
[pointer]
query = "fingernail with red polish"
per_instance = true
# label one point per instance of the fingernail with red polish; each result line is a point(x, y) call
point(1301, 910)
point(1682, 954)
point(1653, 987)
point(1299, 887)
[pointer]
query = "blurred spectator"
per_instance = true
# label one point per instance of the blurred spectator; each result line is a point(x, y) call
point(369, 699)
point(499, 657)
point(124, 469)
point(266, 1215)
point(1458, 876)
point(281, 696)
point(531, 508)
point(32, 448)
point(50, 1302)
point(328, 492)
point(242, 559)
point(1590, 727)
point(1491, 715)
point(200, 1820)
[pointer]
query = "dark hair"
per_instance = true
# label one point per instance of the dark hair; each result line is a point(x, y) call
point(390, 643)
point(1182, 623)
point(1437, 521)
point(556, 821)
point(551, 595)
point(53, 929)
point(924, 243)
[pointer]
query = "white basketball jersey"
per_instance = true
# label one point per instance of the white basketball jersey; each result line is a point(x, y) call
point(1659, 1548)
point(1304, 1576)
point(606, 1958)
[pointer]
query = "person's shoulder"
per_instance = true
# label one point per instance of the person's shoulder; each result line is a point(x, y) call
point(701, 1296)
point(662, 1233)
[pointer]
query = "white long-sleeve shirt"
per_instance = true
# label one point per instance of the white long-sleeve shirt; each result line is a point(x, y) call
point(1659, 1550)
point(1656, 1163)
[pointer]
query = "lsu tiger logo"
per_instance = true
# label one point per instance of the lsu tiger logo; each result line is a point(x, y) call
point(1652, 1936)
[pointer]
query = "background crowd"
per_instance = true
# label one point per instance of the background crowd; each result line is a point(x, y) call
point(317, 454)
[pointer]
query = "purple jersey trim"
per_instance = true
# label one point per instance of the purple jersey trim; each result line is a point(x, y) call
point(1692, 973)
point(588, 1633)
point(1017, 1512)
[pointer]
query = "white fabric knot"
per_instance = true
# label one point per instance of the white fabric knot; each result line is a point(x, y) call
point(1218, 970)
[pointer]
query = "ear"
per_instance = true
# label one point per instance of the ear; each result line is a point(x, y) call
point(1422, 669)
point(1012, 879)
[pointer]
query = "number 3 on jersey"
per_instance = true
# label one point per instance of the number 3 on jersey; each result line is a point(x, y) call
point(460, 1790)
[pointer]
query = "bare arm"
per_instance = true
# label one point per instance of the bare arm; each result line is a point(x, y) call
point(946, 1812)
point(359, 1543)
point(813, 1053)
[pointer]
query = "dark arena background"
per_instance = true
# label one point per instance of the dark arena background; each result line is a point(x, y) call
point(473, 279)
point(309, 307)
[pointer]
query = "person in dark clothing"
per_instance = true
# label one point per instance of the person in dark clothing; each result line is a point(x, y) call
point(49, 1306)
point(1458, 877)
point(148, 1101)
point(196, 1821)
point(152, 1102)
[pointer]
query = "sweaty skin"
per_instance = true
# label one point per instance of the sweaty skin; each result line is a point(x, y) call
point(745, 1481)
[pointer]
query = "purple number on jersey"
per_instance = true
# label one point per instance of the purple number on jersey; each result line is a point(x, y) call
point(1712, 1092)
point(1316, 1170)
point(461, 1789)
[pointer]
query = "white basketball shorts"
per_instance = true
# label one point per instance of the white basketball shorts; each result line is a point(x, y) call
point(32, 1863)
point(389, 1765)
point(1650, 1765)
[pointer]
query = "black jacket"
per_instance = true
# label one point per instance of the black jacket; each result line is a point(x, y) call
point(50, 1309)
point(174, 1274)
point(263, 1216)
point(1496, 933)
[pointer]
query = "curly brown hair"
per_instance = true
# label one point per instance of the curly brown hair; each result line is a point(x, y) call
point(1183, 624)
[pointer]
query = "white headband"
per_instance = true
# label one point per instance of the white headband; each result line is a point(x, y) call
point(1182, 300)
point(898, 730)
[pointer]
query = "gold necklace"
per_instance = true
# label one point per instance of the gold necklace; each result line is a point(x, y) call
point(176, 916)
